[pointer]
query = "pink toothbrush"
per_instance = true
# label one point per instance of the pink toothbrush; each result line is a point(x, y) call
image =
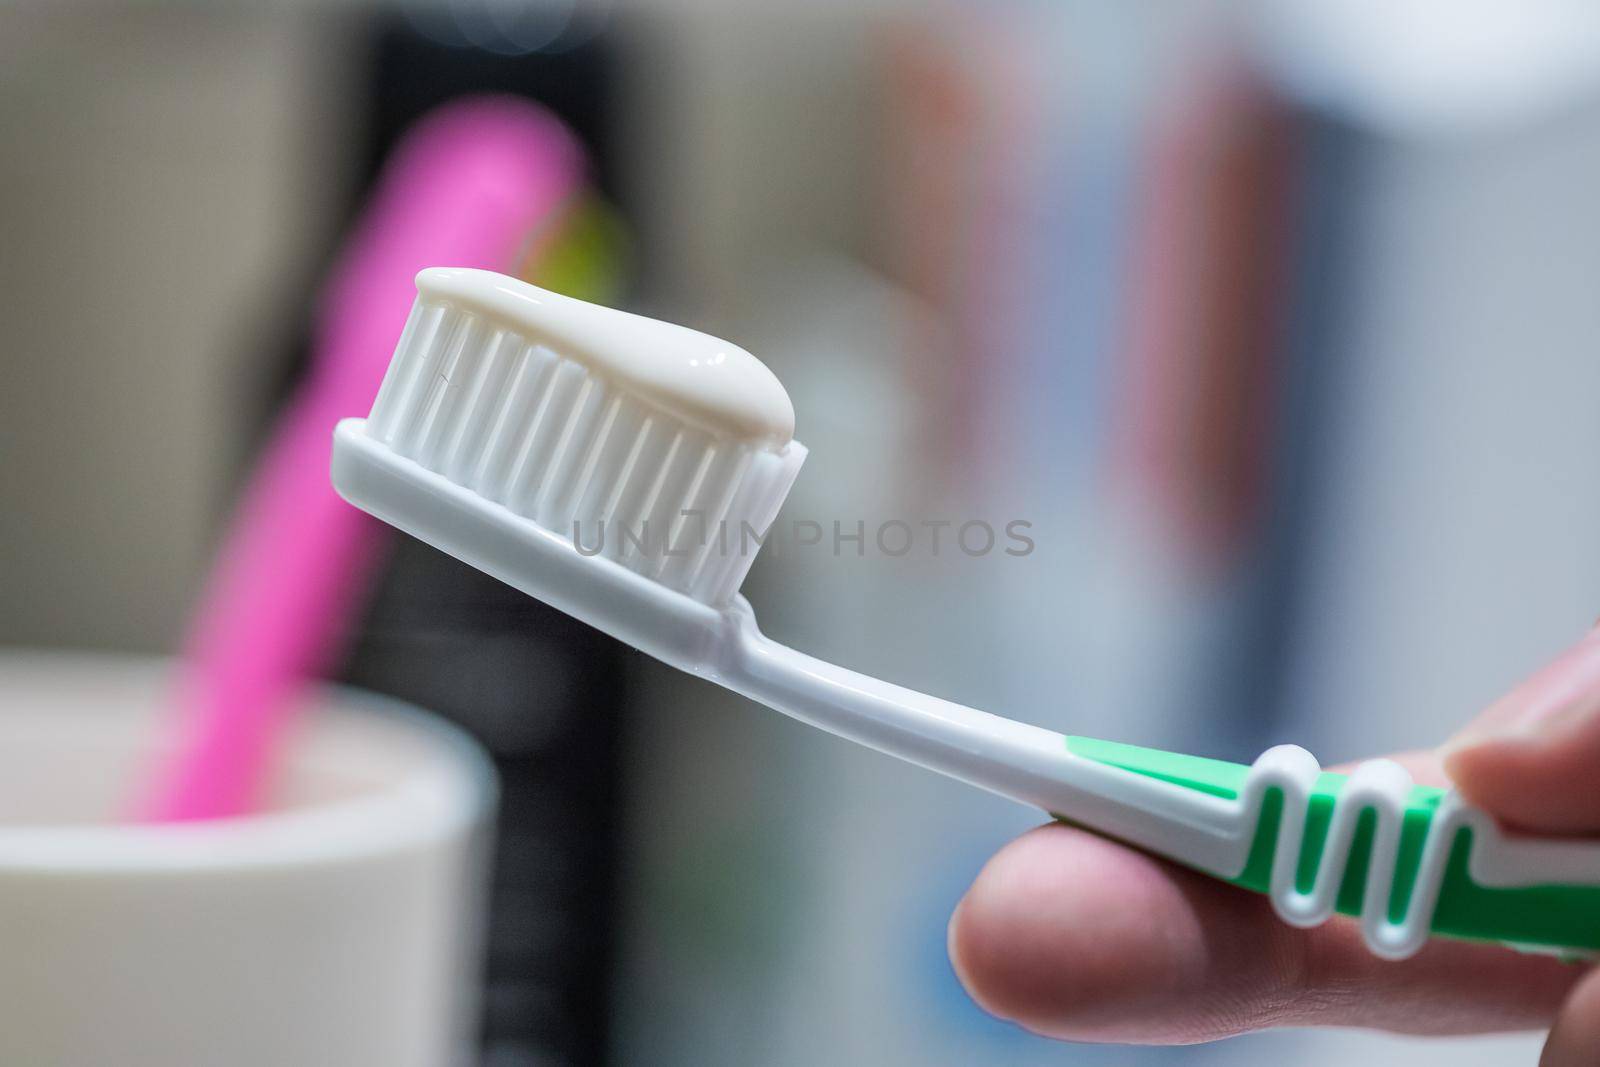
point(467, 186)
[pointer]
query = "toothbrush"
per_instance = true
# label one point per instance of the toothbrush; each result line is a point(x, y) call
point(470, 182)
point(621, 470)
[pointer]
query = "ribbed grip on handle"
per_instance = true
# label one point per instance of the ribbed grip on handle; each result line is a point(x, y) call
point(1406, 860)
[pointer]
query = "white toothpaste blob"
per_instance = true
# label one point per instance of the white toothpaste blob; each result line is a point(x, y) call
point(659, 448)
point(707, 381)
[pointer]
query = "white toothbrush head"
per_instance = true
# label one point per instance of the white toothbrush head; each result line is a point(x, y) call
point(639, 445)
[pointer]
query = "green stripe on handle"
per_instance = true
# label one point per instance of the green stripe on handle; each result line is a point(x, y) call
point(1555, 916)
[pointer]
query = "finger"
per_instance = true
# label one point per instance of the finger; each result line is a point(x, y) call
point(1532, 758)
point(1423, 766)
point(1575, 1039)
point(1077, 937)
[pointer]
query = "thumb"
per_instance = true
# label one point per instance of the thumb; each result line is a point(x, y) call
point(1532, 759)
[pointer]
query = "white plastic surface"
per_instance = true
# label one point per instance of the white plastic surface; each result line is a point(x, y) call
point(338, 927)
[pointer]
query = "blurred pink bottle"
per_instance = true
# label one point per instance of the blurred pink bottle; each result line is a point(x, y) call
point(468, 186)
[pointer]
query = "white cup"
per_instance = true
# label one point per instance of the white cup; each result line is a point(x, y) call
point(340, 928)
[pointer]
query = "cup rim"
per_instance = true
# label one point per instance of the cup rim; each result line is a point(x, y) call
point(456, 787)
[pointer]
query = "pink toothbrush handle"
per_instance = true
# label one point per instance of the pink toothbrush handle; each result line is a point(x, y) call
point(466, 187)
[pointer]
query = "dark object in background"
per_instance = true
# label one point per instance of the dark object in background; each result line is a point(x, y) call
point(544, 693)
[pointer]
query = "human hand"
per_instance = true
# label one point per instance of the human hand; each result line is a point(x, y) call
point(1076, 937)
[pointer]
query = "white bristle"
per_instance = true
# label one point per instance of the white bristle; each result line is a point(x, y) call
point(543, 435)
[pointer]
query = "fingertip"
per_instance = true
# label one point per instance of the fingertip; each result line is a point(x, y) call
point(1534, 784)
point(982, 928)
point(1070, 935)
point(1477, 770)
point(1073, 936)
point(955, 944)
point(1529, 759)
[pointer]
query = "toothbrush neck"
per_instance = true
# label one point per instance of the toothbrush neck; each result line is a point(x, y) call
point(1011, 758)
point(1022, 762)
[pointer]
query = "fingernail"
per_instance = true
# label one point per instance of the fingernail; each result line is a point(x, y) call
point(951, 947)
point(1557, 700)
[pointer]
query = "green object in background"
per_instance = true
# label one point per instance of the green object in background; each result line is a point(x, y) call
point(586, 256)
point(1556, 916)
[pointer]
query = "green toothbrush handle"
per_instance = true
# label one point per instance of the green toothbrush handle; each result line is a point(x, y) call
point(1317, 842)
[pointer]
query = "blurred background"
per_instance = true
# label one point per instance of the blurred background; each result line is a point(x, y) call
point(1276, 321)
